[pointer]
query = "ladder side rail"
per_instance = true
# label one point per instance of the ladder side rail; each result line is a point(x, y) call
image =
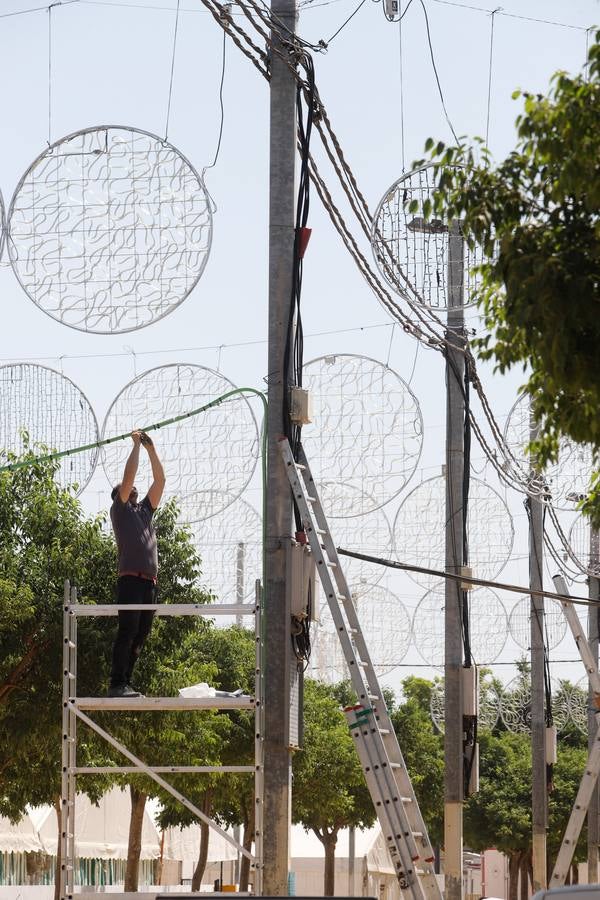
point(329, 586)
point(579, 634)
point(65, 817)
point(344, 591)
point(578, 814)
point(399, 838)
point(320, 538)
point(401, 777)
point(258, 749)
point(73, 734)
point(144, 769)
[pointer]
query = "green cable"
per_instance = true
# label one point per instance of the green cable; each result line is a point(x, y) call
point(60, 454)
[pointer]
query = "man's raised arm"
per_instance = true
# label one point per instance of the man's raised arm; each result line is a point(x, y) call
point(131, 467)
point(158, 473)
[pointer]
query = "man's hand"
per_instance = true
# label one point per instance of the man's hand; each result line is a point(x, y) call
point(146, 440)
point(137, 437)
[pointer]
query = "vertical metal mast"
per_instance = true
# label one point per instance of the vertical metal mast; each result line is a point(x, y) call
point(539, 791)
point(593, 820)
point(453, 688)
point(278, 649)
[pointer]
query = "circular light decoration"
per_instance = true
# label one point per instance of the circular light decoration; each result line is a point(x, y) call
point(419, 530)
point(370, 534)
point(579, 704)
point(2, 225)
point(519, 623)
point(515, 705)
point(410, 250)
point(489, 706)
point(54, 412)
point(385, 625)
point(367, 427)
point(580, 539)
point(488, 626)
point(230, 547)
point(208, 458)
point(109, 229)
point(567, 480)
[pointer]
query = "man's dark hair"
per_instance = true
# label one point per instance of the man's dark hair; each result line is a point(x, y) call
point(114, 491)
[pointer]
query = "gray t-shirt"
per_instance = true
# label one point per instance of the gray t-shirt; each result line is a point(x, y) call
point(135, 536)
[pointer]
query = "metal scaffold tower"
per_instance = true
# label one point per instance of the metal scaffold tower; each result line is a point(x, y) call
point(76, 709)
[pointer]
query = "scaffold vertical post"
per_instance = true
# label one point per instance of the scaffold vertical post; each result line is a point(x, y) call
point(593, 821)
point(67, 802)
point(258, 746)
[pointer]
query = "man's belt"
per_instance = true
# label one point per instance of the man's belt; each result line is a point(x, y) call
point(143, 575)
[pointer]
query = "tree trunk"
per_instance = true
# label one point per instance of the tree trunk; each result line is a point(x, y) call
point(514, 864)
point(57, 807)
point(575, 875)
point(524, 869)
point(204, 836)
point(134, 846)
point(247, 844)
point(329, 843)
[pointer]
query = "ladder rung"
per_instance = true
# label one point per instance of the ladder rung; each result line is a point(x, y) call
point(311, 499)
point(332, 565)
point(320, 530)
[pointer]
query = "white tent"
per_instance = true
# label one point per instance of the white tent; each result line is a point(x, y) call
point(373, 869)
point(21, 837)
point(101, 832)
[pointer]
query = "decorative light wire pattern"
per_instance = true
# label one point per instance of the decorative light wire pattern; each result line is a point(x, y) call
point(386, 627)
point(568, 479)
point(109, 229)
point(208, 459)
point(364, 532)
point(489, 706)
point(367, 427)
point(410, 250)
point(580, 539)
point(515, 704)
point(2, 225)
point(554, 623)
point(419, 529)
point(230, 547)
point(488, 620)
point(54, 412)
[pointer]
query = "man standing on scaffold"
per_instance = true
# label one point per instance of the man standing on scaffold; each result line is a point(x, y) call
point(137, 562)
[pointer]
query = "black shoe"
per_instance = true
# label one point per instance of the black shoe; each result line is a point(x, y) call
point(132, 687)
point(122, 690)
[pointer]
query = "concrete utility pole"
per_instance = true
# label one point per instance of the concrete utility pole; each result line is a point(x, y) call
point(278, 648)
point(539, 790)
point(593, 816)
point(453, 667)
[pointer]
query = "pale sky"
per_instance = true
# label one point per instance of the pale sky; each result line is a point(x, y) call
point(111, 64)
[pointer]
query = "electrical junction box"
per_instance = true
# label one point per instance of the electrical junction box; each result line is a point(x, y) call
point(470, 676)
point(302, 582)
point(391, 9)
point(473, 786)
point(551, 752)
point(300, 406)
point(466, 572)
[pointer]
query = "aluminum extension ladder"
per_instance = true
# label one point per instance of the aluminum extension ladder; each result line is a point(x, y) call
point(592, 767)
point(370, 725)
point(76, 709)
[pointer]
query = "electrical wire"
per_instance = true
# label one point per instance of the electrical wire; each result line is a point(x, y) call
point(343, 25)
point(489, 94)
point(435, 72)
point(214, 162)
point(175, 30)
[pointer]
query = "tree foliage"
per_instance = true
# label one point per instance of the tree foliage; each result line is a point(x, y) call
point(535, 215)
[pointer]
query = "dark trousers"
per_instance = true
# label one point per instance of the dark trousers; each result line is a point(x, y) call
point(134, 627)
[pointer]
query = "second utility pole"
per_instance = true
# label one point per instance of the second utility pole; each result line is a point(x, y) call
point(453, 651)
point(278, 646)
